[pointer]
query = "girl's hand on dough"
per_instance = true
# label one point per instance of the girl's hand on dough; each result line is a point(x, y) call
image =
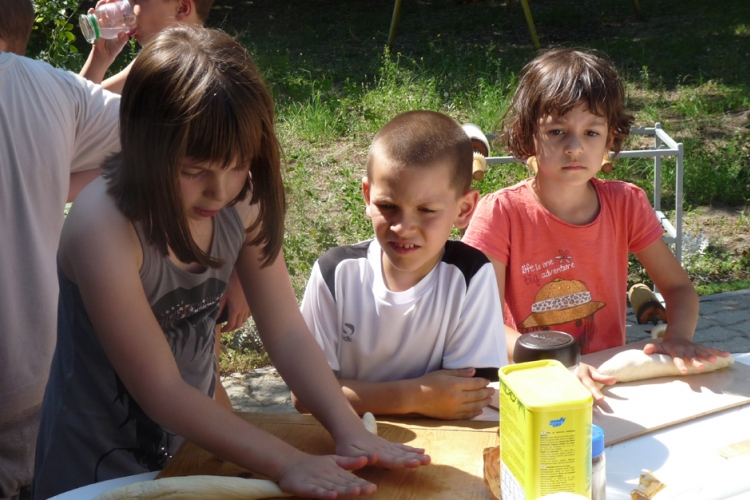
point(683, 351)
point(382, 453)
point(590, 376)
point(324, 477)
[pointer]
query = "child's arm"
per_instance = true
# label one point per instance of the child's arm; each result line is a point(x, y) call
point(116, 82)
point(300, 361)
point(101, 253)
point(220, 394)
point(102, 55)
point(681, 306)
point(234, 300)
point(445, 394)
point(511, 335)
point(79, 180)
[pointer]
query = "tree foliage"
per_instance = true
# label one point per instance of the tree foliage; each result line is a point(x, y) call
point(53, 38)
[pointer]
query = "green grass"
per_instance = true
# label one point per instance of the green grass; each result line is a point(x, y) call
point(686, 65)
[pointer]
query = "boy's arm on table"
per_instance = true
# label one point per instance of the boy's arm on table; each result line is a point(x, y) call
point(238, 311)
point(444, 394)
point(681, 303)
point(101, 253)
point(301, 362)
point(588, 375)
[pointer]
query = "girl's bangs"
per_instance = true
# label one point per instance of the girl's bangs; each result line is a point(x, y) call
point(589, 86)
point(222, 132)
point(568, 94)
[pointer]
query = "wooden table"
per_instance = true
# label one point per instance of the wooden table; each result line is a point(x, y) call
point(455, 447)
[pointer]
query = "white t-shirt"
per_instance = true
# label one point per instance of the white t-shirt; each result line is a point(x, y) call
point(52, 123)
point(451, 319)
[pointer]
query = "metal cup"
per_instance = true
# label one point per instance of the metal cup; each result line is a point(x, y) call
point(548, 344)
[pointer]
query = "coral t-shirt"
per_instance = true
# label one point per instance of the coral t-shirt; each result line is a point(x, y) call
point(560, 276)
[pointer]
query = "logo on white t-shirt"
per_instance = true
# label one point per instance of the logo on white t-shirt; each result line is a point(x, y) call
point(348, 336)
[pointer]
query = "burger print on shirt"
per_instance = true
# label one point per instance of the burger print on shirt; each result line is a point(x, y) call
point(563, 305)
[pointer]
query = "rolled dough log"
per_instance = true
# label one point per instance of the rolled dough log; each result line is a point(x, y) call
point(204, 487)
point(634, 364)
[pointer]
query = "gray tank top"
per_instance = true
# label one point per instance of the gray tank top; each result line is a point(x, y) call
point(91, 428)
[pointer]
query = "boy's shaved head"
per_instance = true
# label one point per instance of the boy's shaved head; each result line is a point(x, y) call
point(16, 21)
point(425, 139)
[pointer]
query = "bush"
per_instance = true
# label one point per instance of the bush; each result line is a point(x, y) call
point(53, 39)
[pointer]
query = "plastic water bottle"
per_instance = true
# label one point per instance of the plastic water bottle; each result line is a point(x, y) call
point(107, 21)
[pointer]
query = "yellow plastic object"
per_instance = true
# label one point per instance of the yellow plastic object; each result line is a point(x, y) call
point(545, 431)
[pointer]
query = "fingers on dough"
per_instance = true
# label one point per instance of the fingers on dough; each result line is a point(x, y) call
point(634, 364)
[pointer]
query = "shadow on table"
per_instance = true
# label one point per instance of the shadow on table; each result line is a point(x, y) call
point(433, 482)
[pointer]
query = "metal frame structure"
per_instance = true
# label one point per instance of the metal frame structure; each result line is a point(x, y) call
point(664, 145)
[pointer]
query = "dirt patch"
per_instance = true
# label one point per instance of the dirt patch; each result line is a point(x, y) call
point(727, 228)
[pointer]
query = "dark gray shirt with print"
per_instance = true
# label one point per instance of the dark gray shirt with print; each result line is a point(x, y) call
point(92, 429)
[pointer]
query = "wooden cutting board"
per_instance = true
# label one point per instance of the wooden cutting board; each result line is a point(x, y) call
point(636, 408)
point(456, 450)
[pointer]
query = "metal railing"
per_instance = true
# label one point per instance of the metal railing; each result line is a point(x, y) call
point(664, 145)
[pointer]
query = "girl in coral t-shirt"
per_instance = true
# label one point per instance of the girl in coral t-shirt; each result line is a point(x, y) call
point(559, 241)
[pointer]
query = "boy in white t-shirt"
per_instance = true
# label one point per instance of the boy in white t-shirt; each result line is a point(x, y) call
point(55, 130)
point(406, 318)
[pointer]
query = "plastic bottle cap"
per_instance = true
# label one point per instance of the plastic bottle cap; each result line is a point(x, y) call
point(89, 27)
point(597, 441)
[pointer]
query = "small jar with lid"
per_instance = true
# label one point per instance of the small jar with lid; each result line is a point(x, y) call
point(548, 344)
point(598, 464)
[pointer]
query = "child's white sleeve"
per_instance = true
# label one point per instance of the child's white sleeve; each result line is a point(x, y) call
point(97, 122)
point(320, 313)
point(479, 339)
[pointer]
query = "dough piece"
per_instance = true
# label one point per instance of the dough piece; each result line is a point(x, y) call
point(198, 487)
point(648, 486)
point(634, 364)
point(370, 423)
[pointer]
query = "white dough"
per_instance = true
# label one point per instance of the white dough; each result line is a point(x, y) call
point(634, 364)
point(198, 487)
point(370, 423)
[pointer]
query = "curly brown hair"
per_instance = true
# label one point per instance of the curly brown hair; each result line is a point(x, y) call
point(558, 80)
